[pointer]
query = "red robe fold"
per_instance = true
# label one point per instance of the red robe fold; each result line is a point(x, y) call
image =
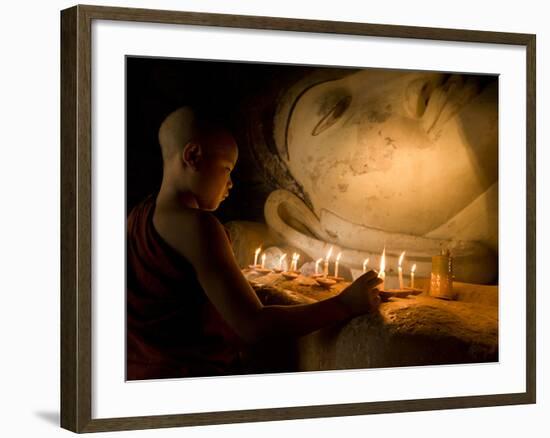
point(173, 330)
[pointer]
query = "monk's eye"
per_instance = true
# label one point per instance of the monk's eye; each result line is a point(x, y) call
point(332, 116)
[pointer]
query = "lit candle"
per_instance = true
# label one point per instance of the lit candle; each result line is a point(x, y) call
point(256, 253)
point(365, 263)
point(317, 265)
point(382, 273)
point(327, 258)
point(400, 270)
point(281, 260)
point(412, 275)
point(263, 260)
point(296, 261)
point(336, 265)
point(292, 262)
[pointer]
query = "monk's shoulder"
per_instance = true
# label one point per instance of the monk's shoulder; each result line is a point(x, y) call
point(199, 222)
point(187, 226)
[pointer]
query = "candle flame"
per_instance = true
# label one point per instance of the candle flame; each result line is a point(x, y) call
point(295, 257)
point(413, 269)
point(383, 262)
point(338, 256)
point(256, 254)
point(365, 263)
point(401, 258)
point(317, 265)
point(282, 257)
point(329, 253)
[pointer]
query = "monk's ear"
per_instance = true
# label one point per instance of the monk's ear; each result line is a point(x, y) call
point(191, 155)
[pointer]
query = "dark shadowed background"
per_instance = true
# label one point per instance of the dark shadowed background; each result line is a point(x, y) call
point(223, 90)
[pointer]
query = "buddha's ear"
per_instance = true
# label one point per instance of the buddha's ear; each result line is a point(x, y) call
point(191, 155)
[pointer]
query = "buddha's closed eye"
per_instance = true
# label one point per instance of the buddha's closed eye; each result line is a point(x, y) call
point(332, 115)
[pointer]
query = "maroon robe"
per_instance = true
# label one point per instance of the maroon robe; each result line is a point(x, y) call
point(173, 330)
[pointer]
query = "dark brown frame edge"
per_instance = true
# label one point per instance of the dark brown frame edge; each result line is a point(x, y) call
point(76, 224)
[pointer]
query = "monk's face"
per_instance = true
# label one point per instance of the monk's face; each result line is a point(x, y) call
point(398, 151)
point(213, 177)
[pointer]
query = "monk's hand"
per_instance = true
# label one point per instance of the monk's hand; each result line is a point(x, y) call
point(361, 296)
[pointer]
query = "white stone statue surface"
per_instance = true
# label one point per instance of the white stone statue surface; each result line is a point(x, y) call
point(406, 161)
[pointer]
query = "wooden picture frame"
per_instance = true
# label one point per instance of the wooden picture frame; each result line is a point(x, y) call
point(76, 218)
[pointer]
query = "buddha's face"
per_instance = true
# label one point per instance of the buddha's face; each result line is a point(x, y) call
point(398, 151)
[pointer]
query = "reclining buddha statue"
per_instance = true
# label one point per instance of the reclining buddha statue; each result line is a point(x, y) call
point(371, 159)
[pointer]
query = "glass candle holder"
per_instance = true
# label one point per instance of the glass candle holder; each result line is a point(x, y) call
point(441, 282)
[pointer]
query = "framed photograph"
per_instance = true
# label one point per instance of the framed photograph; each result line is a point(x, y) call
point(268, 218)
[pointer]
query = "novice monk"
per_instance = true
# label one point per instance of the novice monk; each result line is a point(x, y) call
point(190, 310)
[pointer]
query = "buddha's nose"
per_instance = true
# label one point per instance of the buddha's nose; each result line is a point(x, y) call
point(419, 92)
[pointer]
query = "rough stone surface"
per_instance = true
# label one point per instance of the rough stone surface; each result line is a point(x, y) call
point(417, 330)
point(414, 331)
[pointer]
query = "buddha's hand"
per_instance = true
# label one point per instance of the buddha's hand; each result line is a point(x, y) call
point(362, 296)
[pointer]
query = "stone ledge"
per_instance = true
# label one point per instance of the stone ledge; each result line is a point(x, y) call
point(412, 331)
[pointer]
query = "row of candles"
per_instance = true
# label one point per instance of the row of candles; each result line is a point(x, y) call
point(293, 265)
point(381, 272)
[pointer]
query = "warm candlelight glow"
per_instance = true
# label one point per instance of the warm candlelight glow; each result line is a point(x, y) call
point(263, 261)
point(256, 254)
point(296, 258)
point(337, 263)
point(383, 262)
point(382, 273)
point(327, 258)
point(413, 269)
point(401, 258)
point(400, 270)
point(365, 263)
point(294, 262)
point(317, 265)
point(281, 260)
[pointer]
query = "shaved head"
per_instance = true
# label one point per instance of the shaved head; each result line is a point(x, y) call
point(183, 126)
point(178, 129)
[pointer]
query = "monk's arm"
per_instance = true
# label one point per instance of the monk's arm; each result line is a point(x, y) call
point(239, 305)
point(209, 251)
point(358, 298)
